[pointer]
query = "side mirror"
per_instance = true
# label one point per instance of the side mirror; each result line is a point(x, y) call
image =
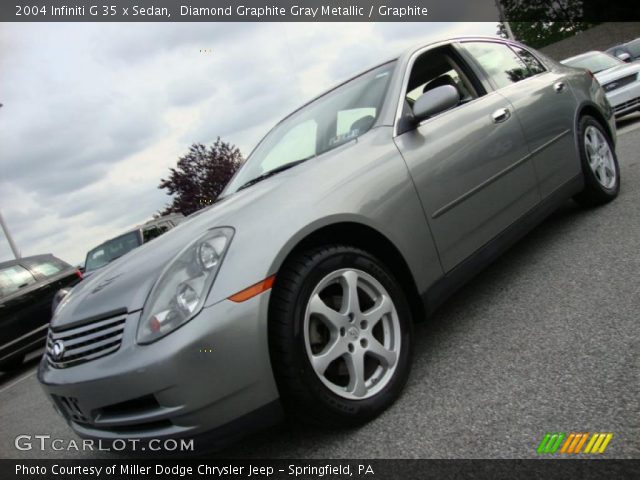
point(625, 57)
point(435, 101)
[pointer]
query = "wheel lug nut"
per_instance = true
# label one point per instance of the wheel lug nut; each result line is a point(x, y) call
point(351, 316)
point(342, 332)
point(363, 342)
point(364, 324)
point(351, 347)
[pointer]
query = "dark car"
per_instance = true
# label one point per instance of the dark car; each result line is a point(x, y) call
point(108, 251)
point(627, 52)
point(27, 288)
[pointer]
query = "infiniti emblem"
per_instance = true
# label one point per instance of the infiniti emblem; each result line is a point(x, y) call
point(57, 351)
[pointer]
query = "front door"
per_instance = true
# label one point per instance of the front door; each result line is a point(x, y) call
point(470, 164)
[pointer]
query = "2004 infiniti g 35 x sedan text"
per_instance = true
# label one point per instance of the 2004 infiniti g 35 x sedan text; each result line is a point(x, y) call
point(354, 217)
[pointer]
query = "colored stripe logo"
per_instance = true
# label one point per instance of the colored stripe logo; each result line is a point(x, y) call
point(574, 443)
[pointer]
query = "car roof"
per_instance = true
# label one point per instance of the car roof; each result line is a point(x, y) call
point(16, 261)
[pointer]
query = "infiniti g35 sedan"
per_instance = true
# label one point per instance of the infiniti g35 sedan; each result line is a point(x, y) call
point(356, 215)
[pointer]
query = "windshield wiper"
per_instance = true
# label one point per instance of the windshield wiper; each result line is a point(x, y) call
point(274, 171)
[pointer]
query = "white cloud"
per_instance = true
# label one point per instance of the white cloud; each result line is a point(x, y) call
point(95, 114)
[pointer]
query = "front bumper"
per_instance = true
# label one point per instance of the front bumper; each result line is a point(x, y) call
point(626, 99)
point(211, 371)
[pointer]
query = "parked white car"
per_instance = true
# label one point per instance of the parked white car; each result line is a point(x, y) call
point(620, 80)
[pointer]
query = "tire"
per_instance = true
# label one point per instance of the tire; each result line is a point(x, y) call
point(599, 164)
point(301, 330)
point(12, 363)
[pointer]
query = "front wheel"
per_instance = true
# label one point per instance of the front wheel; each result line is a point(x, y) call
point(599, 164)
point(340, 336)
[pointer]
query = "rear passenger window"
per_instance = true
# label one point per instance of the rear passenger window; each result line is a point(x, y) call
point(500, 63)
point(13, 279)
point(533, 64)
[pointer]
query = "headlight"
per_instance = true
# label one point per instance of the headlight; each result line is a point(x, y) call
point(183, 285)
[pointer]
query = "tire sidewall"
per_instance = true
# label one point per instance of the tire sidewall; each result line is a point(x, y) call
point(357, 410)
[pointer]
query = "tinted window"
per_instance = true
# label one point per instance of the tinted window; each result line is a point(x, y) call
point(14, 278)
point(501, 63)
point(533, 64)
point(47, 269)
point(109, 251)
point(152, 232)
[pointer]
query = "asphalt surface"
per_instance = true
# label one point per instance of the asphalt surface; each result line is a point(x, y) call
point(547, 339)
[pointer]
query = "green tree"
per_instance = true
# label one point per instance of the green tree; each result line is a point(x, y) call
point(200, 176)
point(538, 23)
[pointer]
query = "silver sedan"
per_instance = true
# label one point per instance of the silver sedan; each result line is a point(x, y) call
point(620, 80)
point(356, 216)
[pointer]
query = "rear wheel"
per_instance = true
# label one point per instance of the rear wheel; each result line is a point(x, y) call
point(599, 164)
point(339, 336)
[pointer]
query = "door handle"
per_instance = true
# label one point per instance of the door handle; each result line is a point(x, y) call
point(500, 115)
point(558, 87)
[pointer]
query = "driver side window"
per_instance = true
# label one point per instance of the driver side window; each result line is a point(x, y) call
point(433, 69)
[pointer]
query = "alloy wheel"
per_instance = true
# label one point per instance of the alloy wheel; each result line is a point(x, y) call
point(600, 157)
point(352, 334)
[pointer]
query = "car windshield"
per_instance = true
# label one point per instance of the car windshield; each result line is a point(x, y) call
point(109, 251)
point(335, 118)
point(596, 62)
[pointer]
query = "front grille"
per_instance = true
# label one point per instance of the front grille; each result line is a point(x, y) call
point(87, 342)
point(621, 82)
point(634, 102)
point(70, 408)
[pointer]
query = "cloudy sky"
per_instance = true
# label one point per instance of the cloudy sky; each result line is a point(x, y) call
point(95, 114)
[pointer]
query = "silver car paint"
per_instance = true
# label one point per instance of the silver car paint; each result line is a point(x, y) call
point(394, 186)
point(624, 99)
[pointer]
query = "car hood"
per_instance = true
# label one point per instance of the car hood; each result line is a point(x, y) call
point(124, 284)
point(615, 73)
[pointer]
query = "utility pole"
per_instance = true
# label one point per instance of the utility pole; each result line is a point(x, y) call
point(504, 21)
point(7, 234)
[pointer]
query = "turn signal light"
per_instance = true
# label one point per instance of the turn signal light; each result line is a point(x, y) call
point(253, 290)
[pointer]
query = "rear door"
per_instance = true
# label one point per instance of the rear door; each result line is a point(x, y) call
point(470, 164)
point(542, 102)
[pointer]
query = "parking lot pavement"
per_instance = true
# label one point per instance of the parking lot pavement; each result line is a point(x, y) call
point(547, 339)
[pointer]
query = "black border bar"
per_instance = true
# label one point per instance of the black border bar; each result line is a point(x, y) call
point(568, 11)
point(320, 469)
